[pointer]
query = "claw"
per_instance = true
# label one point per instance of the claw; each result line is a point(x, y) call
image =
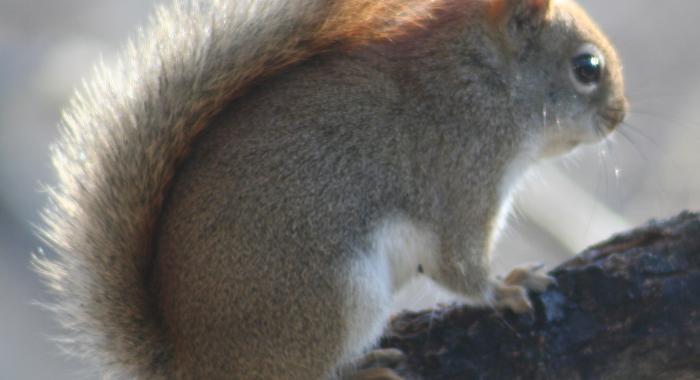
point(377, 365)
point(385, 357)
point(511, 291)
point(529, 278)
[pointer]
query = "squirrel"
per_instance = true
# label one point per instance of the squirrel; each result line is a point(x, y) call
point(241, 195)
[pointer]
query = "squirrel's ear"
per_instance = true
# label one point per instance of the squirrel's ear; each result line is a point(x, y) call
point(520, 14)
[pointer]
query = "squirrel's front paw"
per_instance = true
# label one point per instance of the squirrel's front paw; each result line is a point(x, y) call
point(377, 365)
point(511, 291)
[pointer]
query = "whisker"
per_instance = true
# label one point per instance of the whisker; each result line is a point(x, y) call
point(621, 132)
point(668, 158)
point(631, 128)
point(606, 168)
point(598, 182)
point(600, 133)
point(617, 171)
point(639, 97)
point(664, 118)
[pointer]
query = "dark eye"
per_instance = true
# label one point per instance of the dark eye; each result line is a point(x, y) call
point(587, 68)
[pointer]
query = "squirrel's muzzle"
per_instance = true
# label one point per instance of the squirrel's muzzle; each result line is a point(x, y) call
point(613, 115)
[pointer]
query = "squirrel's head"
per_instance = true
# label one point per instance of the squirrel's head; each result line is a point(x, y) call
point(566, 79)
point(559, 73)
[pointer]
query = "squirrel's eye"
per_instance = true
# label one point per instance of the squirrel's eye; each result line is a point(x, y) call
point(587, 68)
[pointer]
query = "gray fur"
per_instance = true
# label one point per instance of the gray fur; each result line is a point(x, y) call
point(266, 231)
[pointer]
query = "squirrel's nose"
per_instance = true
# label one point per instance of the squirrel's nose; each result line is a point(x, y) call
point(614, 114)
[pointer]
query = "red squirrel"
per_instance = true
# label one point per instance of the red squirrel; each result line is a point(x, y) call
point(243, 193)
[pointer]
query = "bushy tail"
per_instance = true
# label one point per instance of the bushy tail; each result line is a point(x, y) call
point(126, 131)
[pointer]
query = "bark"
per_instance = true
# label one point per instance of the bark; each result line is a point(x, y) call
point(628, 308)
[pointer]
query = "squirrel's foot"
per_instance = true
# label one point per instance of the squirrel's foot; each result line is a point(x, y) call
point(377, 365)
point(511, 291)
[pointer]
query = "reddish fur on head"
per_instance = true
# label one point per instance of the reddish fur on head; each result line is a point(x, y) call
point(359, 22)
point(501, 10)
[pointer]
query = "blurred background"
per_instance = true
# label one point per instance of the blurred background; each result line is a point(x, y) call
point(648, 170)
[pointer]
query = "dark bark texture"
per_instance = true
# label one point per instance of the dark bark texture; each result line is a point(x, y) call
point(628, 308)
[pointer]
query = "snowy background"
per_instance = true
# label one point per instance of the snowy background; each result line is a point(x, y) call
point(46, 47)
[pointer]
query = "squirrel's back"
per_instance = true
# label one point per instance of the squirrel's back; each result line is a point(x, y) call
point(126, 131)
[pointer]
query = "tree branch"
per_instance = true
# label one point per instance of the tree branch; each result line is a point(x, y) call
point(628, 308)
